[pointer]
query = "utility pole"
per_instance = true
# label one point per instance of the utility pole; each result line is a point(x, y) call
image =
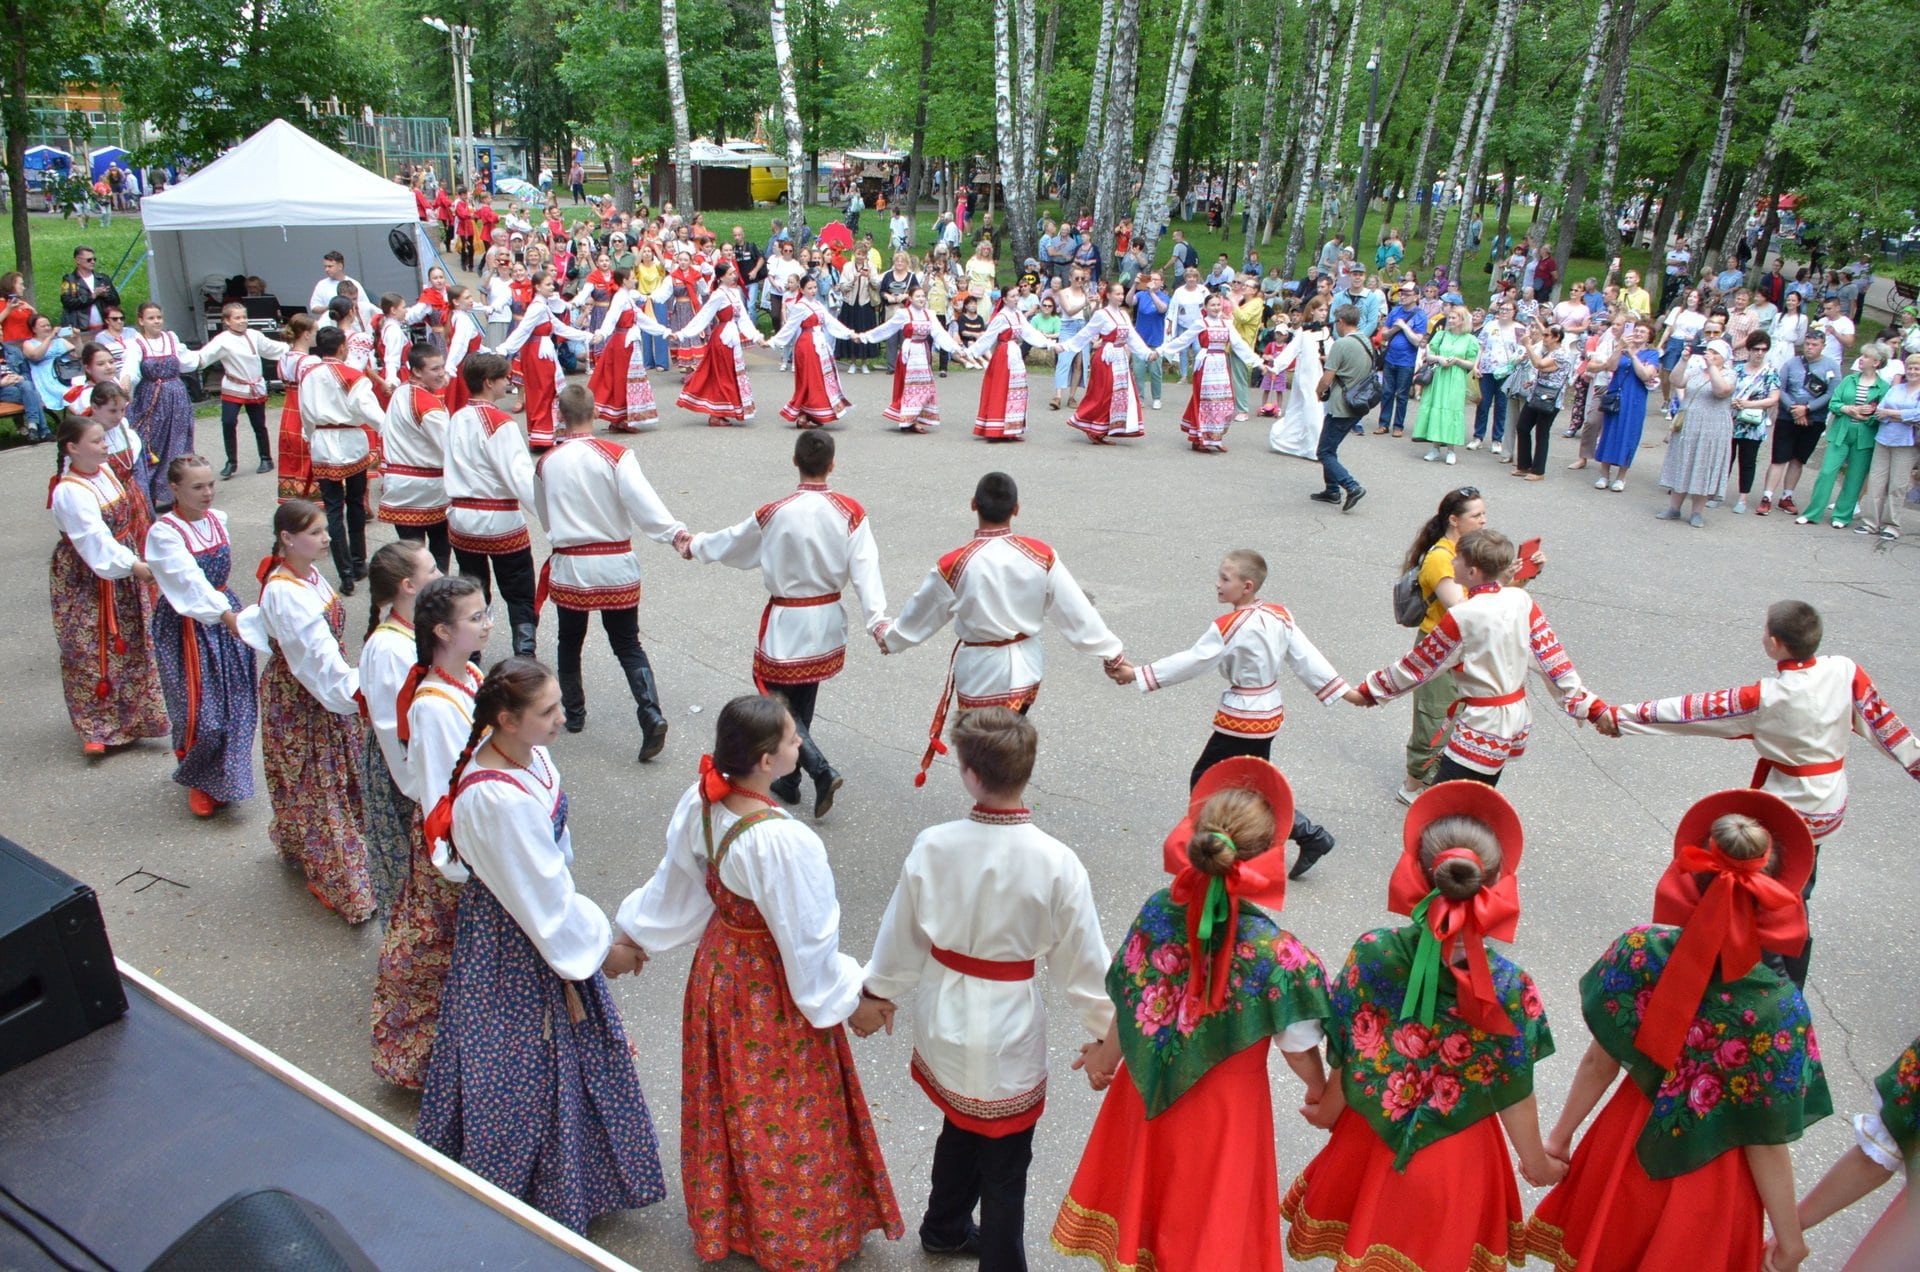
point(1361, 194)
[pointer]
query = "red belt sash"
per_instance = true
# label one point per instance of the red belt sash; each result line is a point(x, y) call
point(1498, 700)
point(405, 470)
point(611, 547)
point(487, 505)
point(1822, 769)
point(1020, 969)
point(785, 602)
point(934, 745)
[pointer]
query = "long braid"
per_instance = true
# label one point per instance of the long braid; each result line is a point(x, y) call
point(509, 687)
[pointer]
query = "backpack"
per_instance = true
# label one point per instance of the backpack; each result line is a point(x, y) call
point(1364, 394)
point(1409, 602)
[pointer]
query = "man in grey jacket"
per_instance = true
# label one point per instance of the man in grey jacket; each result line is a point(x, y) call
point(1807, 381)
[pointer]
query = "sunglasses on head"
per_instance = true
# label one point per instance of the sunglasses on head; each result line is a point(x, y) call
point(1468, 492)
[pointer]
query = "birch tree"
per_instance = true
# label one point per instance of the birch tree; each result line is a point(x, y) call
point(1159, 169)
point(1470, 184)
point(1469, 113)
point(1086, 165)
point(1422, 175)
point(1613, 92)
point(1262, 175)
point(799, 180)
point(1762, 174)
point(917, 157)
point(1557, 185)
point(1021, 196)
point(1310, 140)
point(1330, 160)
point(677, 106)
point(1116, 160)
point(1702, 223)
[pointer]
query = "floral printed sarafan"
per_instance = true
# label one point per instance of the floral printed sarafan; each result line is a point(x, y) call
point(1749, 1070)
point(1168, 1043)
point(1416, 1084)
point(1899, 1089)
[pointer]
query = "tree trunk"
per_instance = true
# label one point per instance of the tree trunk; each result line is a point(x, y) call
point(1763, 168)
point(1469, 112)
point(677, 104)
point(1021, 234)
point(1700, 231)
point(1556, 187)
point(1311, 138)
point(1005, 130)
point(1669, 209)
point(1502, 48)
point(1039, 107)
point(1393, 193)
point(1258, 186)
point(917, 160)
point(1721, 221)
point(18, 120)
point(1400, 77)
point(1504, 223)
point(1568, 219)
point(1086, 167)
point(1116, 158)
point(799, 171)
point(1613, 92)
point(1770, 226)
point(1422, 188)
point(1173, 55)
point(1330, 154)
point(1159, 169)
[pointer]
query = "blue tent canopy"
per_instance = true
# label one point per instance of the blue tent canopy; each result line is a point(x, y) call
point(47, 159)
point(100, 160)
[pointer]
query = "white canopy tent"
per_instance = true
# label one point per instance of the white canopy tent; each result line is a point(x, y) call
point(271, 207)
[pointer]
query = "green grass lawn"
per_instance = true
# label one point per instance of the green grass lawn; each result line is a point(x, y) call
point(54, 239)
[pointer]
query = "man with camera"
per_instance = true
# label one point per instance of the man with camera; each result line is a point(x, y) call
point(1349, 389)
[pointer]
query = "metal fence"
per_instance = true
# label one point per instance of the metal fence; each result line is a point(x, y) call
point(392, 142)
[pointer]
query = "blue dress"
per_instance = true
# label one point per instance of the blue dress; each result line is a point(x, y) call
point(548, 1110)
point(162, 413)
point(214, 705)
point(1620, 433)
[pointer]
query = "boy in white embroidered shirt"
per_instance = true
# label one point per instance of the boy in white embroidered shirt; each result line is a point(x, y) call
point(1488, 642)
point(979, 902)
point(1249, 645)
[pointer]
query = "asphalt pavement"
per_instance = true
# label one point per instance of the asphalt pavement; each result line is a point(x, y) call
point(1645, 608)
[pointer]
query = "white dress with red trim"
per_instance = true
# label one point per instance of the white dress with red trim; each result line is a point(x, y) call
point(465, 337)
point(1490, 641)
point(915, 407)
point(489, 479)
point(811, 328)
point(1249, 647)
point(1799, 721)
point(809, 547)
point(337, 408)
point(1111, 407)
point(980, 904)
point(540, 366)
point(413, 479)
point(590, 495)
point(1002, 414)
point(622, 391)
point(1211, 407)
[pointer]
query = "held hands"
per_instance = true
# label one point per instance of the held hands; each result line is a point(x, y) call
point(1321, 1113)
point(1545, 1173)
point(880, 630)
point(1101, 1060)
point(1356, 697)
point(683, 544)
point(871, 1016)
point(231, 621)
point(1783, 1258)
point(1607, 723)
point(1122, 672)
point(623, 956)
point(144, 572)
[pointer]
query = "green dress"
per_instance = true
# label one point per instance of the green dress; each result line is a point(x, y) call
point(1443, 404)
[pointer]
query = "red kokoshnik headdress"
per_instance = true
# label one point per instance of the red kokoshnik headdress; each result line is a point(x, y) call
point(1493, 911)
point(1730, 910)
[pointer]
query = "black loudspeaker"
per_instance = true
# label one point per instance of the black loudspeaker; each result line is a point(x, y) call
point(57, 979)
point(265, 1230)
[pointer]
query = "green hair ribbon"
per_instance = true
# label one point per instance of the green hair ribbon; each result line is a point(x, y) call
point(1423, 985)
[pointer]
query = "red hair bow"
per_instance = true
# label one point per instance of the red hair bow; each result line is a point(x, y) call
point(1494, 908)
point(714, 785)
point(1741, 911)
point(408, 688)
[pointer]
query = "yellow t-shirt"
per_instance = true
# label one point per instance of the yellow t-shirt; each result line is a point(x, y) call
point(647, 278)
point(1434, 567)
point(1246, 320)
point(1637, 299)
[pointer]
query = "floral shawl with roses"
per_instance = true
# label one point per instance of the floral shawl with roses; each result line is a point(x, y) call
point(1166, 1041)
point(1749, 1071)
point(1415, 1085)
point(1899, 1089)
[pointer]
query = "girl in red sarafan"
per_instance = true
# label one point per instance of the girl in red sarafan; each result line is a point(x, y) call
point(1431, 1044)
point(1205, 983)
point(1723, 1071)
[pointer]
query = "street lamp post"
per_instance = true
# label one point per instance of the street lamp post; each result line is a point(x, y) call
point(460, 44)
point(1361, 194)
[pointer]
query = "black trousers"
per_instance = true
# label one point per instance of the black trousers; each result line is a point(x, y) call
point(435, 537)
point(1224, 746)
point(230, 428)
point(346, 505)
point(513, 571)
point(622, 627)
point(970, 1169)
point(1451, 770)
point(1746, 457)
point(1531, 432)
